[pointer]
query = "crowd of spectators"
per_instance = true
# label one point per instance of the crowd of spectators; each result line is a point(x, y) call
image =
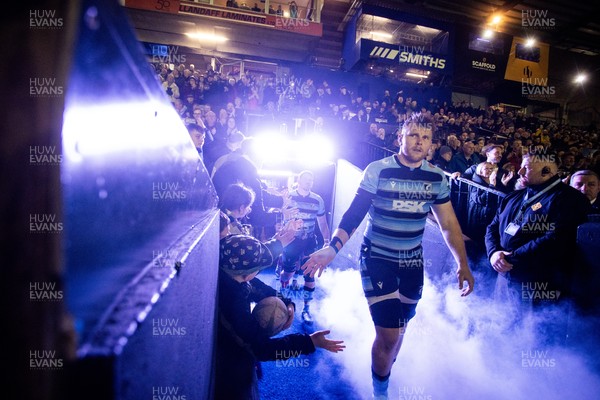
point(220, 104)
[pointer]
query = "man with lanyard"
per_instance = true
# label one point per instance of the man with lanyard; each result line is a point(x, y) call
point(311, 210)
point(398, 192)
point(531, 241)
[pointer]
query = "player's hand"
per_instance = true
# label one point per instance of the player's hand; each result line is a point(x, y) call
point(318, 261)
point(285, 236)
point(319, 340)
point(499, 262)
point(464, 274)
point(289, 213)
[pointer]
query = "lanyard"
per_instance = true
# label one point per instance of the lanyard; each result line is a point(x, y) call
point(531, 200)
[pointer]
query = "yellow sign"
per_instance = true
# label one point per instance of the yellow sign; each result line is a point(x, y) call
point(528, 64)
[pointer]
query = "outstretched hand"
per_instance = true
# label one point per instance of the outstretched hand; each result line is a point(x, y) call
point(318, 261)
point(464, 274)
point(319, 340)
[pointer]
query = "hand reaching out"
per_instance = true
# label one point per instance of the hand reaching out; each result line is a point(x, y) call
point(318, 261)
point(319, 340)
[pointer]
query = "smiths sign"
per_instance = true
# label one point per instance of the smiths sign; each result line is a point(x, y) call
point(422, 59)
point(412, 55)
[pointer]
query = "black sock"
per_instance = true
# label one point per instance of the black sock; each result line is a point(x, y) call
point(379, 377)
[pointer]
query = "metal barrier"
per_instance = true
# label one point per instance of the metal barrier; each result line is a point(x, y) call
point(474, 205)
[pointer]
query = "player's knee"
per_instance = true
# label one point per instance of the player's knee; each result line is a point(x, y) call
point(386, 313)
point(388, 340)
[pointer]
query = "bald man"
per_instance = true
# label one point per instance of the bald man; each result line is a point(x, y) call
point(531, 240)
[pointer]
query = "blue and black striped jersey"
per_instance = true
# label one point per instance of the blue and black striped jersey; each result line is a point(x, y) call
point(402, 199)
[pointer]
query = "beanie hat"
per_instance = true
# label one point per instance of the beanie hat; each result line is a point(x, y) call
point(243, 255)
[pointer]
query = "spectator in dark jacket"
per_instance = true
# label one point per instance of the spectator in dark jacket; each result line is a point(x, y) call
point(443, 161)
point(531, 241)
point(463, 160)
point(241, 343)
point(241, 168)
point(588, 183)
point(482, 204)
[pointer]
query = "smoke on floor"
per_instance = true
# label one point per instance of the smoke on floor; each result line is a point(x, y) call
point(458, 347)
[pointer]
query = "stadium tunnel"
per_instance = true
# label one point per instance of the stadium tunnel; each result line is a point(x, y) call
point(140, 244)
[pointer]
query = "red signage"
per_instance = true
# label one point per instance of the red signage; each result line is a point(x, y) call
point(223, 14)
point(295, 25)
point(170, 6)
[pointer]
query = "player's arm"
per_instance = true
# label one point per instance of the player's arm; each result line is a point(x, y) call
point(450, 228)
point(350, 221)
point(324, 227)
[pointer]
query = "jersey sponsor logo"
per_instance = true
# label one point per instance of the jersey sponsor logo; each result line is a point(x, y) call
point(410, 206)
point(380, 284)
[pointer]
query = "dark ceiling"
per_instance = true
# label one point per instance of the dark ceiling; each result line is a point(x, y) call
point(564, 24)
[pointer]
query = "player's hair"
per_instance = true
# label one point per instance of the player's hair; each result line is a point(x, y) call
point(304, 172)
point(421, 120)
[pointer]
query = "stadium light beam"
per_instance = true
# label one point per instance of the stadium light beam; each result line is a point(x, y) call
point(413, 75)
point(580, 78)
point(383, 35)
point(207, 36)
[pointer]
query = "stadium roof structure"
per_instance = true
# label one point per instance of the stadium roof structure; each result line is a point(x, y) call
point(563, 24)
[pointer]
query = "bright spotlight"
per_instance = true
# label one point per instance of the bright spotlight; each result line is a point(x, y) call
point(488, 34)
point(580, 78)
point(314, 149)
point(530, 42)
point(271, 147)
point(496, 19)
